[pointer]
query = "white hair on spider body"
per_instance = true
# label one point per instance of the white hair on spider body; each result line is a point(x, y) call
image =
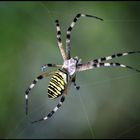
point(70, 65)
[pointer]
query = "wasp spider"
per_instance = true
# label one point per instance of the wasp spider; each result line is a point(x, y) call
point(65, 75)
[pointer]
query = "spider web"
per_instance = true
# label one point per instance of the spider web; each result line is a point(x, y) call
point(91, 129)
point(24, 125)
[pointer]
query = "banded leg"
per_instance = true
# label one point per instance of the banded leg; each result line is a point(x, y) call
point(83, 67)
point(74, 83)
point(53, 111)
point(70, 29)
point(32, 85)
point(59, 41)
point(45, 66)
point(114, 56)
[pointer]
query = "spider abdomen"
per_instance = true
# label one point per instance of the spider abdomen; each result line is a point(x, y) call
point(57, 84)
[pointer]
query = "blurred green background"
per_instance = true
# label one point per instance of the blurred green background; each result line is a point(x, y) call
point(106, 106)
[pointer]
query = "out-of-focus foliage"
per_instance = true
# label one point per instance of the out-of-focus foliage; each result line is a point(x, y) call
point(109, 95)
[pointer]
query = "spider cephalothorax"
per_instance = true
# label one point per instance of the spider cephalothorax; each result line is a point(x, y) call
point(71, 64)
point(66, 73)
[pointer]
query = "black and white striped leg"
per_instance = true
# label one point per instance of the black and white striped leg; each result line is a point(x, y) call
point(74, 83)
point(53, 111)
point(59, 41)
point(40, 77)
point(114, 56)
point(70, 29)
point(30, 88)
point(45, 66)
point(114, 65)
point(88, 66)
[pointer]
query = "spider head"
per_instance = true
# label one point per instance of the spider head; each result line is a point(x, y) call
point(78, 60)
point(70, 65)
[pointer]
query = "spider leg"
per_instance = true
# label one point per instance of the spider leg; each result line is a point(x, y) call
point(75, 85)
point(59, 41)
point(87, 66)
point(114, 56)
point(70, 29)
point(40, 77)
point(53, 111)
point(45, 66)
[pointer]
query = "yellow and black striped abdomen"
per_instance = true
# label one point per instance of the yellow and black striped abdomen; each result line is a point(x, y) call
point(57, 85)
